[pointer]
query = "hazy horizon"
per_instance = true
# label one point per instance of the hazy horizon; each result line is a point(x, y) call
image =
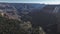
point(32, 1)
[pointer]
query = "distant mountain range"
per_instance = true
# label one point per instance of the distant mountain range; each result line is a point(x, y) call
point(28, 6)
point(14, 10)
point(28, 9)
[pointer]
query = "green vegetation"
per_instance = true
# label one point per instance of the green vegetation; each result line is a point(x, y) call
point(11, 26)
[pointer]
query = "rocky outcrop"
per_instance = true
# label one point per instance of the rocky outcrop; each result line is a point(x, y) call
point(8, 11)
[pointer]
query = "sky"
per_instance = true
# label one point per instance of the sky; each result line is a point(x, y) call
point(33, 1)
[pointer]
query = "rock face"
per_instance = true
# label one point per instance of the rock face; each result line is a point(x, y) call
point(57, 10)
point(45, 18)
point(8, 11)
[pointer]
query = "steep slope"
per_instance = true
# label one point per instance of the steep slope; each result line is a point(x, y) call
point(45, 18)
point(9, 26)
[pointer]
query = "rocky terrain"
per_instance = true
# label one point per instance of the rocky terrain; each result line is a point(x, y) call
point(32, 16)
